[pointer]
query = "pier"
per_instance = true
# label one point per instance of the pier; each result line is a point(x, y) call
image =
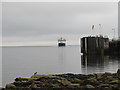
point(94, 45)
point(100, 46)
point(114, 47)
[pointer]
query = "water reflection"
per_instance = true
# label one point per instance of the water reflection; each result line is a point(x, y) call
point(24, 61)
point(93, 60)
point(98, 63)
point(115, 57)
point(61, 55)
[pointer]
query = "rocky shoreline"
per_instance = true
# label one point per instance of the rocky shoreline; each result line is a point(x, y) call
point(97, 81)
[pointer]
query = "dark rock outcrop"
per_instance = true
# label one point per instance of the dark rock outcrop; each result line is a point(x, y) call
point(99, 81)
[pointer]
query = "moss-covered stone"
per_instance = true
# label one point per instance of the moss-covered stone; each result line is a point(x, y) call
point(114, 82)
point(21, 79)
point(22, 83)
point(89, 86)
point(98, 81)
point(104, 85)
point(10, 86)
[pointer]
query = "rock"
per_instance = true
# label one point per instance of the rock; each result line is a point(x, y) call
point(99, 81)
point(10, 86)
point(76, 80)
point(71, 86)
point(114, 82)
point(89, 86)
point(22, 83)
point(38, 82)
point(21, 79)
point(33, 85)
point(75, 85)
point(40, 76)
point(65, 82)
point(2, 89)
point(82, 77)
point(91, 81)
point(55, 85)
point(104, 85)
point(106, 74)
point(98, 75)
point(114, 86)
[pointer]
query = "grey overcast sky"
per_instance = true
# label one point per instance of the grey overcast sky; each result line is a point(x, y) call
point(42, 23)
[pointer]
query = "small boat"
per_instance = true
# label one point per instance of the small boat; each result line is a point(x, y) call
point(61, 42)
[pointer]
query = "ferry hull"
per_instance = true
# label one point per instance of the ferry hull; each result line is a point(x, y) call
point(61, 44)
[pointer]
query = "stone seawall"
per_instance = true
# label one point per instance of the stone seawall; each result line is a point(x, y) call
point(97, 81)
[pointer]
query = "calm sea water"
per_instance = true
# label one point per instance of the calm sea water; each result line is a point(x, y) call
point(24, 61)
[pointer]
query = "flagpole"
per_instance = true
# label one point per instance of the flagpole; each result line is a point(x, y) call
point(100, 28)
point(114, 32)
point(93, 26)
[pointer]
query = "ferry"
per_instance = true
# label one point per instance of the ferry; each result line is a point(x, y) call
point(61, 42)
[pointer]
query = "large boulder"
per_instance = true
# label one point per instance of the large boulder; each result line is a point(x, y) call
point(22, 83)
point(10, 86)
point(91, 81)
point(21, 79)
point(89, 87)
